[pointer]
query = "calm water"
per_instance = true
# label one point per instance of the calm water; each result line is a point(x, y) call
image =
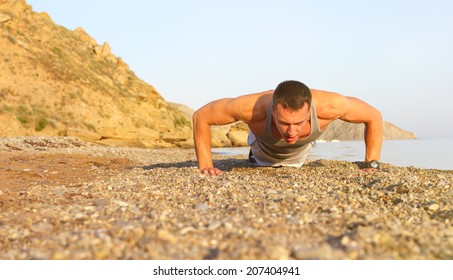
point(422, 153)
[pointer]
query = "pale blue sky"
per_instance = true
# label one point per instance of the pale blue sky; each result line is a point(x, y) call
point(396, 55)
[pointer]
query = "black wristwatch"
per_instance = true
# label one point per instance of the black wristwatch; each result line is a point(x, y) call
point(372, 164)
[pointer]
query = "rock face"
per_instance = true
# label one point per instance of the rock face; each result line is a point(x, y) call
point(55, 81)
point(343, 131)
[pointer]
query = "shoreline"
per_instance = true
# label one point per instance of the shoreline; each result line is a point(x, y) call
point(68, 199)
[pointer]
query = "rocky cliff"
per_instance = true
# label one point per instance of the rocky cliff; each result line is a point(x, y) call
point(54, 81)
point(343, 131)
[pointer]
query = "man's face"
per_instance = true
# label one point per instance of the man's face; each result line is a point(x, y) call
point(290, 123)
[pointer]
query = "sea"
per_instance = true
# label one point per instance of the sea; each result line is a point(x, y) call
point(420, 153)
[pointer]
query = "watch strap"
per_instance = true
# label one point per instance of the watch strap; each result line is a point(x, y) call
point(372, 164)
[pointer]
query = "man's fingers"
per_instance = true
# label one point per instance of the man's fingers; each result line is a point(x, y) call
point(211, 171)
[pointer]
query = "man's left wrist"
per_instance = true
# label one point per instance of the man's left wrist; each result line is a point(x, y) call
point(372, 164)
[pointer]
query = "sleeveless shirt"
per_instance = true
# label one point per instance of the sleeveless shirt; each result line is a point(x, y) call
point(278, 148)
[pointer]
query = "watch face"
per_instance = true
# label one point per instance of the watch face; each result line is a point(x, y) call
point(374, 164)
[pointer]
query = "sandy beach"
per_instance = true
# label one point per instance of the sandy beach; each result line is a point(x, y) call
point(62, 198)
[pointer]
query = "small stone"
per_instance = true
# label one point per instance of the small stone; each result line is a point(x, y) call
point(441, 184)
point(42, 227)
point(121, 203)
point(164, 235)
point(201, 206)
point(186, 230)
point(89, 209)
point(433, 207)
point(39, 254)
point(345, 241)
point(13, 235)
point(279, 253)
point(4, 18)
point(65, 218)
point(81, 254)
point(228, 225)
point(321, 252)
point(60, 256)
point(215, 225)
point(101, 202)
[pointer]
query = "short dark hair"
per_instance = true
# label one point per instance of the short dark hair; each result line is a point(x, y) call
point(292, 95)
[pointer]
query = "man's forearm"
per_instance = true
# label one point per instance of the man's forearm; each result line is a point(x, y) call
point(373, 140)
point(202, 142)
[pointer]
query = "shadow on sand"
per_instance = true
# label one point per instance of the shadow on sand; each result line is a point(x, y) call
point(230, 164)
point(222, 164)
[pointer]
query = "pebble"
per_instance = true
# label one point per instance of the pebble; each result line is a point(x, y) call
point(279, 253)
point(166, 236)
point(345, 241)
point(214, 225)
point(201, 206)
point(186, 230)
point(318, 252)
point(121, 203)
point(42, 227)
point(433, 207)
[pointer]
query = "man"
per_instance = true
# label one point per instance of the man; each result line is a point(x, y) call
point(283, 124)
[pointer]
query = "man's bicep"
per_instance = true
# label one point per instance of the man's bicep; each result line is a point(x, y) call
point(358, 111)
point(216, 113)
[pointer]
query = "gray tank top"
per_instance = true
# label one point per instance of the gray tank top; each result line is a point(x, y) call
point(278, 148)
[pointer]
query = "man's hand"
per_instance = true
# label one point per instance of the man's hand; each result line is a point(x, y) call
point(212, 171)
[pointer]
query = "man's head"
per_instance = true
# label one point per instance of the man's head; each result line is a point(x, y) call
point(291, 110)
point(292, 95)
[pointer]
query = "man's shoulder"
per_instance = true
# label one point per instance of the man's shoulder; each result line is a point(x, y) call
point(260, 97)
point(252, 108)
point(263, 99)
point(328, 104)
point(322, 96)
point(255, 102)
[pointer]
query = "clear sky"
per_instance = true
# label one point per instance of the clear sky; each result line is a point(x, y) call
point(396, 55)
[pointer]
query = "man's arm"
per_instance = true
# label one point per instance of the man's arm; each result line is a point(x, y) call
point(353, 110)
point(219, 112)
point(361, 112)
point(247, 108)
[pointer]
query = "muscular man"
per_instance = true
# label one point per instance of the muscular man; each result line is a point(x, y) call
point(284, 122)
